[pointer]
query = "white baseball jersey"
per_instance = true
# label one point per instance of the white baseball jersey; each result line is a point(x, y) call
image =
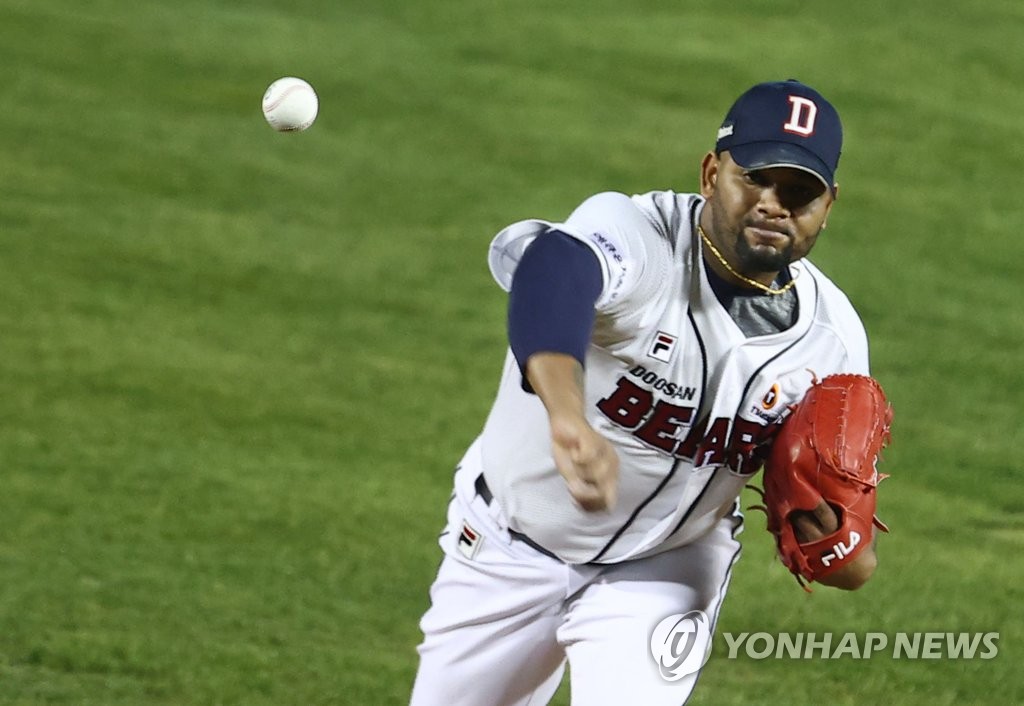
point(682, 393)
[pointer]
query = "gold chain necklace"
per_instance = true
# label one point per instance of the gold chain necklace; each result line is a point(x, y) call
point(753, 283)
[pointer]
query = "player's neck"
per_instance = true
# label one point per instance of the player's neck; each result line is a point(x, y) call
point(765, 282)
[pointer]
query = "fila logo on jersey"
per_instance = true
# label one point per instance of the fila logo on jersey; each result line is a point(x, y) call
point(802, 116)
point(661, 349)
point(469, 541)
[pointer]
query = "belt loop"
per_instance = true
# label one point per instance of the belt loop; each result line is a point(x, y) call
point(482, 490)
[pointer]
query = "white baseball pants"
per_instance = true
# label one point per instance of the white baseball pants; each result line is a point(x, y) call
point(504, 618)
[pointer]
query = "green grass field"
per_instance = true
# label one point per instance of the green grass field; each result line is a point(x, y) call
point(237, 366)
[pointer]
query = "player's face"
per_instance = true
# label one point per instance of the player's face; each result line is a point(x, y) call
point(764, 219)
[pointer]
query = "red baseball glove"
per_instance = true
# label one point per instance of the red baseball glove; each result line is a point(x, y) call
point(828, 450)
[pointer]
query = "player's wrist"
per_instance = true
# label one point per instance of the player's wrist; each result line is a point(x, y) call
point(568, 425)
point(557, 379)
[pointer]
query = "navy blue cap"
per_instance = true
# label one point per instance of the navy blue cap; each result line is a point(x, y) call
point(783, 124)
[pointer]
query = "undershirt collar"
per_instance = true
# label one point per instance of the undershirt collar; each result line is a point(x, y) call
point(756, 313)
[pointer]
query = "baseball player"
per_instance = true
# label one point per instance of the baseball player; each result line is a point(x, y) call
point(656, 341)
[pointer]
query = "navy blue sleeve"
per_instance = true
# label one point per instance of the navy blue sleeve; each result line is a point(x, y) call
point(551, 302)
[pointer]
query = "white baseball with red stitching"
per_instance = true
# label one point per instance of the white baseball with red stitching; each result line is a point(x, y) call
point(290, 104)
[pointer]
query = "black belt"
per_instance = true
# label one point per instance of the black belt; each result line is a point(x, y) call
point(488, 497)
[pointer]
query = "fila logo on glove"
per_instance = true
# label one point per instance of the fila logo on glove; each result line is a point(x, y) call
point(840, 550)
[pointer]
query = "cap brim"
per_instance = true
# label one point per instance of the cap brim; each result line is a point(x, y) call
point(763, 155)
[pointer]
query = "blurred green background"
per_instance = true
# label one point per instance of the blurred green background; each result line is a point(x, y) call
point(238, 366)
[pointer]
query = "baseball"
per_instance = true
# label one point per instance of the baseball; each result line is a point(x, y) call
point(290, 104)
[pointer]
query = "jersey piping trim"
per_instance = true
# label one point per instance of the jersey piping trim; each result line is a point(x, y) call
point(814, 312)
point(746, 389)
point(636, 512)
point(700, 423)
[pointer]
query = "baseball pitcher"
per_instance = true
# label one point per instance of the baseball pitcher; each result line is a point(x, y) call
point(664, 347)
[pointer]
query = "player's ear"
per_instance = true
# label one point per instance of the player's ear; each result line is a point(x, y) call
point(708, 174)
point(831, 202)
point(828, 207)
